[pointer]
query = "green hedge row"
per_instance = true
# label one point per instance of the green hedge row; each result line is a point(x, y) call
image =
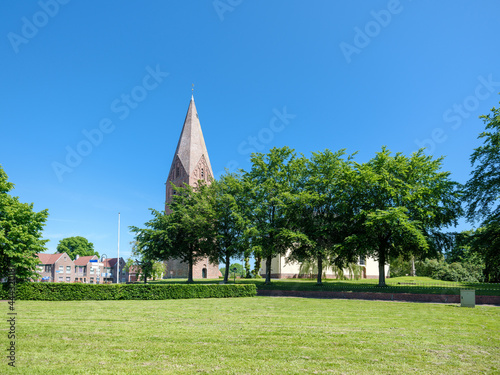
point(81, 292)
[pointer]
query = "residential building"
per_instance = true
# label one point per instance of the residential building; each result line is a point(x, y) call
point(109, 270)
point(56, 268)
point(88, 269)
point(133, 273)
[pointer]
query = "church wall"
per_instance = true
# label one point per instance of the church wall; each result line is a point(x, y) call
point(281, 269)
point(176, 269)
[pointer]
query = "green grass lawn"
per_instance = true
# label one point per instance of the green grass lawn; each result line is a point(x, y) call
point(404, 284)
point(253, 335)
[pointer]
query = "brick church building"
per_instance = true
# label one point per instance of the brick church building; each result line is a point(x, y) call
point(190, 164)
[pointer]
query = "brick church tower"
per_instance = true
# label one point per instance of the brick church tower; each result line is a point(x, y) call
point(190, 164)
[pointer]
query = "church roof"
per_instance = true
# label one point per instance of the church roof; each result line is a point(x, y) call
point(191, 146)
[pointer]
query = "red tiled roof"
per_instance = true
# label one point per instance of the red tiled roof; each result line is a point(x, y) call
point(48, 258)
point(82, 261)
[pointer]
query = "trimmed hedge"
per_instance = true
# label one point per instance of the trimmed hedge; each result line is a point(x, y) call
point(82, 292)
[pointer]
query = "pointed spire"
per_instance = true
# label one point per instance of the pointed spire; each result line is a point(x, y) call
point(191, 148)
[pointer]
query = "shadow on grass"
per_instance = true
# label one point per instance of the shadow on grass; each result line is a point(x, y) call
point(415, 285)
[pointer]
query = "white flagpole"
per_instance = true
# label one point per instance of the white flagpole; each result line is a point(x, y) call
point(118, 257)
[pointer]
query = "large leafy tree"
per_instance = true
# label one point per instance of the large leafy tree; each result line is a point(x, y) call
point(324, 211)
point(228, 220)
point(273, 184)
point(77, 245)
point(404, 204)
point(20, 234)
point(183, 234)
point(483, 195)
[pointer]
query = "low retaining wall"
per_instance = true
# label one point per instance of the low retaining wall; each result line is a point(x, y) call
point(438, 298)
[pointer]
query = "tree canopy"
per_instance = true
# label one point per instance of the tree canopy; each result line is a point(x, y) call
point(483, 195)
point(77, 245)
point(324, 209)
point(183, 234)
point(229, 233)
point(273, 184)
point(403, 203)
point(20, 234)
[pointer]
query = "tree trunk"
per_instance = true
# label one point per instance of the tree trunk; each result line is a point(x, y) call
point(190, 268)
point(226, 272)
point(258, 262)
point(320, 269)
point(248, 275)
point(268, 269)
point(381, 268)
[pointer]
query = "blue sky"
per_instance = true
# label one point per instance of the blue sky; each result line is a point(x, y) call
point(93, 94)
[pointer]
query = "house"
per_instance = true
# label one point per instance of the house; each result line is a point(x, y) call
point(56, 268)
point(109, 270)
point(281, 268)
point(88, 269)
point(133, 274)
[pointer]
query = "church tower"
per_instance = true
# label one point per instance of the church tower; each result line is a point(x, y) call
point(191, 162)
point(189, 165)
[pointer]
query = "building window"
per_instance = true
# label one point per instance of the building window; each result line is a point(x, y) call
point(48, 268)
point(68, 269)
point(362, 261)
point(177, 172)
point(60, 278)
point(91, 270)
point(61, 268)
point(68, 279)
point(202, 173)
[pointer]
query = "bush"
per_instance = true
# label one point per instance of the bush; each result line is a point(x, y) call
point(399, 267)
point(440, 270)
point(81, 292)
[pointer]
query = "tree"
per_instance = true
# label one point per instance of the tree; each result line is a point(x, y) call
point(272, 185)
point(248, 273)
point(183, 234)
point(486, 243)
point(240, 271)
point(128, 264)
point(143, 261)
point(257, 253)
point(483, 188)
point(150, 269)
point(483, 195)
point(323, 211)
point(20, 234)
point(74, 246)
point(228, 222)
point(404, 203)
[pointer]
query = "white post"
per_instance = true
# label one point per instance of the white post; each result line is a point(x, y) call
point(118, 257)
